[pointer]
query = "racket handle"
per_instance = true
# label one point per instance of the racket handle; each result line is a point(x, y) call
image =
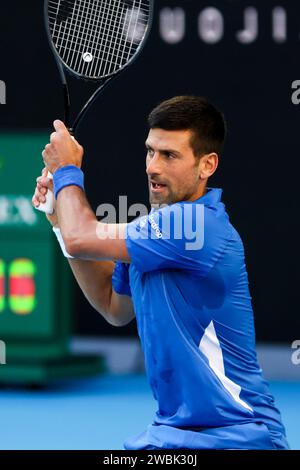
point(48, 206)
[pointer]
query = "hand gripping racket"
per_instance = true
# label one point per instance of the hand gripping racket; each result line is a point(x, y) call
point(94, 40)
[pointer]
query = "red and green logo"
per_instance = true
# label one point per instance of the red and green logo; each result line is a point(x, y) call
point(22, 298)
point(2, 285)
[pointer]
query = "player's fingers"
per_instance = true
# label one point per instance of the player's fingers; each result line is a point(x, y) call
point(79, 147)
point(44, 174)
point(76, 141)
point(44, 182)
point(53, 138)
point(48, 148)
point(47, 153)
point(34, 201)
point(59, 126)
point(42, 185)
point(38, 196)
point(42, 190)
point(38, 192)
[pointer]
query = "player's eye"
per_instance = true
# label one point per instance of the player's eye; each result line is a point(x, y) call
point(169, 155)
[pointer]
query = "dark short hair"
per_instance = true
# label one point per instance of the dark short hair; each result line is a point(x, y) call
point(192, 113)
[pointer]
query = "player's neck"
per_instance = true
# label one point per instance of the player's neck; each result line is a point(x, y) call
point(202, 190)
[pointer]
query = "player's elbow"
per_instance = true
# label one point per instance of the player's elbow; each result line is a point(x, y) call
point(81, 242)
point(120, 317)
point(112, 318)
point(73, 244)
point(118, 321)
point(115, 318)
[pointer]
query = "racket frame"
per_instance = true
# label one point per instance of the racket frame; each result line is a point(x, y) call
point(103, 81)
point(48, 206)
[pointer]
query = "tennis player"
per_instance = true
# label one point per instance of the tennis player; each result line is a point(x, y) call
point(181, 272)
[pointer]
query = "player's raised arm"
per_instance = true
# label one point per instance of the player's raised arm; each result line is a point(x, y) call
point(83, 235)
point(95, 278)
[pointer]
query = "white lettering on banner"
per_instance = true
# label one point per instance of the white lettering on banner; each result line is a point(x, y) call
point(2, 352)
point(250, 32)
point(2, 92)
point(212, 24)
point(172, 25)
point(279, 24)
point(17, 210)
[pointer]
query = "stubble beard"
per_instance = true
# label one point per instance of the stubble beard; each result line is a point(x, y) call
point(158, 200)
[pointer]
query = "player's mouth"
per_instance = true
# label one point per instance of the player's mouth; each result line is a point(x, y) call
point(157, 187)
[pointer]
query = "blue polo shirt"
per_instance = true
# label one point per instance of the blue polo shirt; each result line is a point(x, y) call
point(189, 287)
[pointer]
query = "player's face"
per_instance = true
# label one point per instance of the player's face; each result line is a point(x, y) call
point(173, 171)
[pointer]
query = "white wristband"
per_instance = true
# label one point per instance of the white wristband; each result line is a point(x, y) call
point(61, 242)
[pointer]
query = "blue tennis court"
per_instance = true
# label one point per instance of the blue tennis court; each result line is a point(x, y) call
point(99, 413)
point(165, 191)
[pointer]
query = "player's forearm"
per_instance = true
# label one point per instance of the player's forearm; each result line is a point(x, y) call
point(79, 226)
point(75, 218)
point(84, 237)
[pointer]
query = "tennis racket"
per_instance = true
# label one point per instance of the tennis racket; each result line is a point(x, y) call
point(94, 40)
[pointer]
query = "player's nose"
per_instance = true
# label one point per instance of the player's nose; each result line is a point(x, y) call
point(153, 165)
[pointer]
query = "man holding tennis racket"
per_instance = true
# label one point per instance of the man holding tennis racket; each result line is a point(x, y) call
point(181, 272)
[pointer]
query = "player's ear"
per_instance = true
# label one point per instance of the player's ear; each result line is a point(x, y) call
point(208, 164)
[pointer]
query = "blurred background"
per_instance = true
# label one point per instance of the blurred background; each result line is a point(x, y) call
point(244, 57)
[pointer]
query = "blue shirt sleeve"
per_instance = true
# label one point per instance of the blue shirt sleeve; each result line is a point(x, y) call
point(120, 279)
point(187, 236)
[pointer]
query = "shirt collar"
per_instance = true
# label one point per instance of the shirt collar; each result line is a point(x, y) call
point(211, 198)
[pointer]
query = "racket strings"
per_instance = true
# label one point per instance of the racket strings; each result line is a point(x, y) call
point(105, 48)
point(104, 42)
point(82, 30)
point(65, 4)
point(64, 10)
point(91, 43)
point(88, 41)
point(95, 38)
